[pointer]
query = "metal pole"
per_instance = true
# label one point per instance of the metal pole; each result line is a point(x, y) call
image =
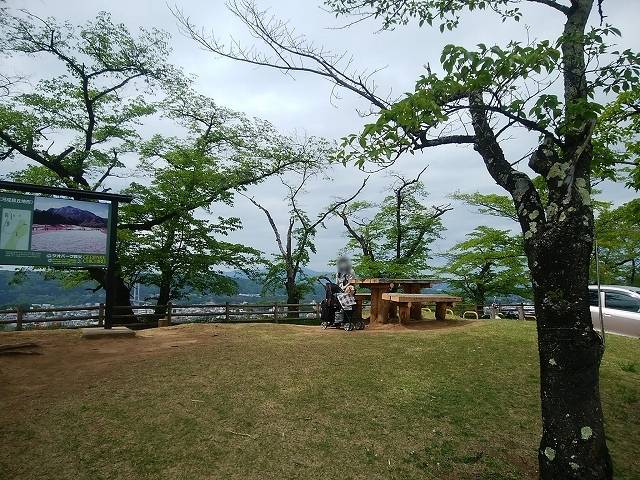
point(599, 293)
point(111, 265)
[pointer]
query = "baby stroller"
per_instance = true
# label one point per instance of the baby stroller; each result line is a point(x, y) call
point(333, 314)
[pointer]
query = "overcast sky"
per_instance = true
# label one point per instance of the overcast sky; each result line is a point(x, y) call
point(302, 104)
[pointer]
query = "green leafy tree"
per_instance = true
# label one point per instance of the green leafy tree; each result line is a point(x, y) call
point(480, 97)
point(491, 204)
point(183, 256)
point(489, 262)
point(223, 152)
point(396, 240)
point(74, 129)
point(617, 138)
point(618, 236)
point(616, 231)
point(296, 242)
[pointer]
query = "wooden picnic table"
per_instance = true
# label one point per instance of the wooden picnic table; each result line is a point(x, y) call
point(406, 301)
point(383, 310)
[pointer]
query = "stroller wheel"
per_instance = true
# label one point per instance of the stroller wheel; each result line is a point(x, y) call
point(324, 325)
point(360, 325)
point(348, 326)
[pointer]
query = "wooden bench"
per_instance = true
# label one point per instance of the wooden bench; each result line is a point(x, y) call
point(405, 301)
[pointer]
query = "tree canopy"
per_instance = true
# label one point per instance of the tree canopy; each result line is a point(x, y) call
point(618, 235)
point(76, 127)
point(81, 129)
point(393, 238)
point(488, 263)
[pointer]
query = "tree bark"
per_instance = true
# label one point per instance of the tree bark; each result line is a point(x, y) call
point(479, 299)
point(293, 297)
point(558, 244)
point(573, 442)
point(164, 296)
point(122, 294)
point(166, 270)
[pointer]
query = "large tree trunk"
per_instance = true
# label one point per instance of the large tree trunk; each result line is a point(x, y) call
point(479, 299)
point(166, 270)
point(122, 294)
point(573, 440)
point(293, 297)
point(164, 296)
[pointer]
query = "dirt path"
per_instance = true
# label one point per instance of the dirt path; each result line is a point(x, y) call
point(422, 325)
point(66, 363)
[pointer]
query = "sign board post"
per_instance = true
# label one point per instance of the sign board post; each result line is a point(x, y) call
point(77, 231)
point(110, 273)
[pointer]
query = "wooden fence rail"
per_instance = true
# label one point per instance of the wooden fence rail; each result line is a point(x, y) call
point(148, 315)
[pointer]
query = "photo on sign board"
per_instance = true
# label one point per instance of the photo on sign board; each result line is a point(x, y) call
point(69, 226)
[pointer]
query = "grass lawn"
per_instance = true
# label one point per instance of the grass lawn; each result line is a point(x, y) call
point(290, 402)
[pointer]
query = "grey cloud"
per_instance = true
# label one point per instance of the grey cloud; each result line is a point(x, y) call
point(303, 103)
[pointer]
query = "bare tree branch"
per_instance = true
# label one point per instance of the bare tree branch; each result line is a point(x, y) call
point(518, 184)
point(290, 52)
point(274, 227)
point(550, 3)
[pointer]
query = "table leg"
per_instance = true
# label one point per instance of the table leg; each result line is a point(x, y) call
point(404, 312)
point(393, 311)
point(441, 311)
point(383, 310)
point(377, 315)
point(416, 308)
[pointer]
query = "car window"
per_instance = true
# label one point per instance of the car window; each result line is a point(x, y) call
point(593, 298)
point(621, 301)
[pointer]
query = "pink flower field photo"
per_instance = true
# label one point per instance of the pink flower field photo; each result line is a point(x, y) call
point(69, 226)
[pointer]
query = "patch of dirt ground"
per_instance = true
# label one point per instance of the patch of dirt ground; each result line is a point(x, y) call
point(422, 325)
point(64, 362)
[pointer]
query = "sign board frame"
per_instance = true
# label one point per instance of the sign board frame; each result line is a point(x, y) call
point(112, 225)
point(78, 244)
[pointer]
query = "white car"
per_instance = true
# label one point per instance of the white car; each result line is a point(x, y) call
point(620, 309)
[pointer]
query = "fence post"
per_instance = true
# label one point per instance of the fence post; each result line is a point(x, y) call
point(226, 311)
point(18, 318)
point(101, 315)
point(521, 312)
point(275, 313)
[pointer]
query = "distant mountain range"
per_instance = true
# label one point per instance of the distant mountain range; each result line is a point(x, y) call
point(35, 289)
point(68, 216)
